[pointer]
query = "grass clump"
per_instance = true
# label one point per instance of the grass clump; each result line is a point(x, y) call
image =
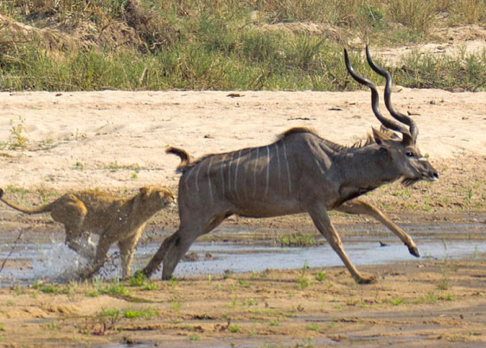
point(17, 139)
point(296, 240)
point(460, 72)
point(116, 313)
point(112, 312)
point(234, 328)
point(320, 276)
point(303, 281)
point(50, 288)
point(396, 301)
point(140, 313)
point(115, 288)
point(194, 337)
point(140, 280)
point(416, 15)
point(468, 11)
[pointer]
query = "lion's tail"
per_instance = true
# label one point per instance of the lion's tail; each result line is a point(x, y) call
point(183, 155)
point(44, 209)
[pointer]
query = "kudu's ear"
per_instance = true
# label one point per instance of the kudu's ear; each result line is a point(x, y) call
point(389, 132)
point(382, 138)
point(407, 140)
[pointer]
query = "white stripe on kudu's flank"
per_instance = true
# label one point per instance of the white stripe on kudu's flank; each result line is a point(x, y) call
point(319, 165)
point(230, 161)
point(199, 165)
point(267, 182)
point(236, 174)
point(187, 177)
point(223, 165)
point(209, 178)
point(288, 167)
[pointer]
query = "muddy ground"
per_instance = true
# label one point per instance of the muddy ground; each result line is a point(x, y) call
point(417, 304)
point(114, 141)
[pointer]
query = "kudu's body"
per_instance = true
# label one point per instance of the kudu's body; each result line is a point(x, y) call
point(300, 172)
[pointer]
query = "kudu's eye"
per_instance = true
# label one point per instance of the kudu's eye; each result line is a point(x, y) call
point(409, 154)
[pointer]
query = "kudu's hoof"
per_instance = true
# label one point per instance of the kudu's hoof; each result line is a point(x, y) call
point(366, 280)
point(149, 270)
point(414, 251)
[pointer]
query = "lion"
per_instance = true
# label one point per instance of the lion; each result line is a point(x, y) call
point(114, 219)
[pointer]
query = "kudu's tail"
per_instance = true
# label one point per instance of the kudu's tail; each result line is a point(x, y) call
point(44, 209)
point(183, 155)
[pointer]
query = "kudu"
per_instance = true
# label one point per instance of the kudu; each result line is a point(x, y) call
point(299, 173)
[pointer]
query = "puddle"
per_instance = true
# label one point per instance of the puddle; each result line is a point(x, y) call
point(37, 257)
point(241, 343)
point(239, 259)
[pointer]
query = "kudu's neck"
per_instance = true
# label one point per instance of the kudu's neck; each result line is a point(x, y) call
point(368, 168)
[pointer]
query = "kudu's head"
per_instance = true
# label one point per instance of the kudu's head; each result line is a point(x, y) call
point(404, 151)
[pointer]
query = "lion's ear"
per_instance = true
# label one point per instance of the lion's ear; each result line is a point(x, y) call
point(144, 190)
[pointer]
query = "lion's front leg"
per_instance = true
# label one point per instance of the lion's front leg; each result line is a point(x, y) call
point(127, 251)
point(83, 245)
point(99, 259)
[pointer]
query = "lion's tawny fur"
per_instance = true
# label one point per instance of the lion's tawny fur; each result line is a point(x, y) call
point(114, 219)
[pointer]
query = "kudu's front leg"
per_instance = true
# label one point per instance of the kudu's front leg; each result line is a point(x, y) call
point(357, 206)
point(321, 219)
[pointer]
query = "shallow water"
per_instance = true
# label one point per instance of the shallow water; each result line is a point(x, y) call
point(50, 259)
point(239, 259)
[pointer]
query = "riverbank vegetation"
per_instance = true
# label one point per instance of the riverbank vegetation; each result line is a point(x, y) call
point(230, 45)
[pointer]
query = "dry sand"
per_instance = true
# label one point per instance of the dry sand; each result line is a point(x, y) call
point(80, 140)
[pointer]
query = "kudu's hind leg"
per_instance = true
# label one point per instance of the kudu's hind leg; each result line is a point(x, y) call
point(184, 237)
point(177, 248)
point(156, 260)
point(360, 207)
point(321, 219)
point(174, 247)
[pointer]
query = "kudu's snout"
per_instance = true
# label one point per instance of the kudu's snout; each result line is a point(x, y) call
point(431, 175)
point(428, 172)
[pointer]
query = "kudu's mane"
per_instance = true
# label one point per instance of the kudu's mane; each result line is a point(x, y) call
point(369, 139)
point(187, 163)
point(296, 130)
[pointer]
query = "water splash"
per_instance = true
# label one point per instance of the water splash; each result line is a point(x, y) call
point(58, 262)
